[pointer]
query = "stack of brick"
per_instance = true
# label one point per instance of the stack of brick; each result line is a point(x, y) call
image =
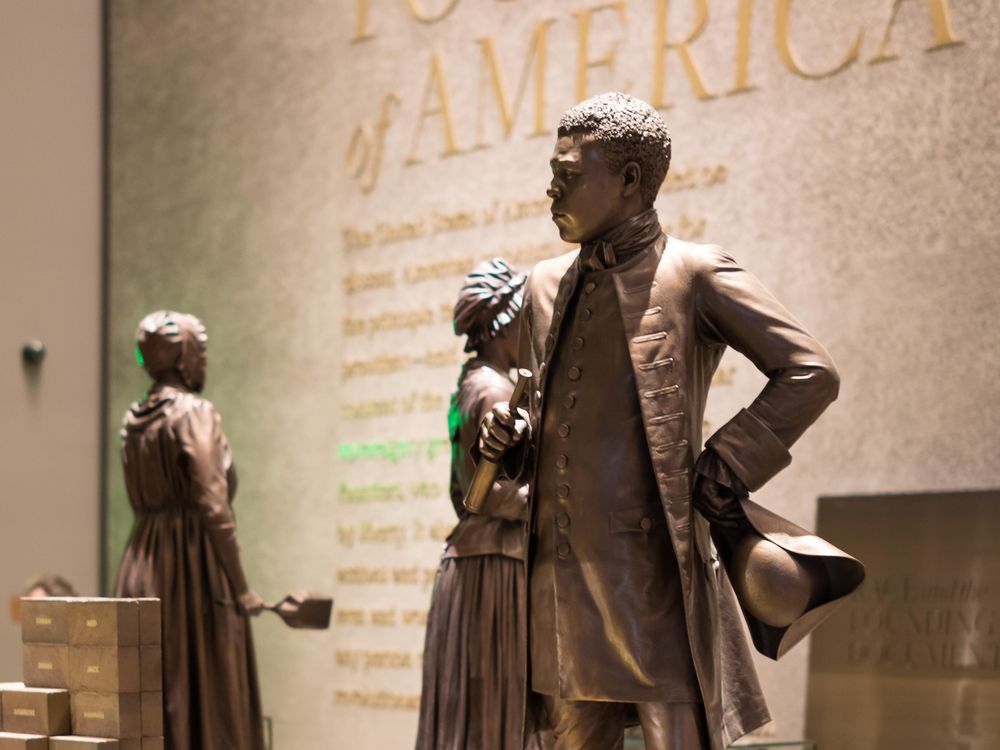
point(30, 715)
point(93, 677)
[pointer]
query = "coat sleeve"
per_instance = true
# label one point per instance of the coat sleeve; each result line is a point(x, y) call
point(204, 451)
point(735, 309)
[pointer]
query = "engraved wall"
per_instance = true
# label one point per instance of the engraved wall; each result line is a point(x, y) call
point(914, 659)
point(313, 179)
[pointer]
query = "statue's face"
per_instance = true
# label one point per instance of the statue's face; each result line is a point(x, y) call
point(586, 196)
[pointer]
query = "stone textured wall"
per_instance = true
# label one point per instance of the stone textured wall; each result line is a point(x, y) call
point(275, 176)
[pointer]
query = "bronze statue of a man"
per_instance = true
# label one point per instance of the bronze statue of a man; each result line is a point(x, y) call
point(631, 615)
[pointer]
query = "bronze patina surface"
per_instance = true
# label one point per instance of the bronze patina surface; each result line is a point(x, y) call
point(631, 614)
point(181, 483)
point(474, 653)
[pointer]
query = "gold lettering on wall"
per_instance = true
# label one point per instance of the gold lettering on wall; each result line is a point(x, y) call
point(944, 34)
point(743, 31)
point(397, 319)
point(375, 492)
point(409, 576)
point(368, 532)
point(361, 32)
point(508, 109)
point(783, 41)
point(384, 364)
point(359, 282)
point(662, 45)
point(724, 376)
point(358, 659)
point(436, 90)
point(360, 575)
point(694, 178)
point(378, 699)
point(393, 451)
point(350, 617)
point(417, 9)
point(377, 617)
point(584, 62)
point(413, 402)
point(366, 145)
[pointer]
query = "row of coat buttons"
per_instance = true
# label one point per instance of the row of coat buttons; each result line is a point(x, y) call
point(574, 373)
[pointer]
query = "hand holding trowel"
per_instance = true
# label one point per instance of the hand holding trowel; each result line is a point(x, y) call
point(299, 610)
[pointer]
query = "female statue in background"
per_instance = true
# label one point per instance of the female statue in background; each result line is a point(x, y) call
point(474, 675)
point(180, 480)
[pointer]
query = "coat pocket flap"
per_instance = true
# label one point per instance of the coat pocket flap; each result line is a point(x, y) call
point(637, 520)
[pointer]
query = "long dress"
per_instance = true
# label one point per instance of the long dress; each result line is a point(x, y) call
point(180, 480)
point(474, 667)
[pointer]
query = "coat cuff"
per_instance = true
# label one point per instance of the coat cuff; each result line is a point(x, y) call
point(750, 450)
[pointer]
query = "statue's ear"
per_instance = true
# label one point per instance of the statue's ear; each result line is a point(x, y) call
point(631, 179)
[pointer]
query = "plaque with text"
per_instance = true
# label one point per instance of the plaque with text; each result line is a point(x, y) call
point(913, 660)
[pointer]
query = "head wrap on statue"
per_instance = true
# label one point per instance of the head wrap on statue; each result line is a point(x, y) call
point(170, 341)
point(490, 299)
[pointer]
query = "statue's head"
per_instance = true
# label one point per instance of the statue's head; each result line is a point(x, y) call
point(171, 346)
point(612, 154)
point(488, 303)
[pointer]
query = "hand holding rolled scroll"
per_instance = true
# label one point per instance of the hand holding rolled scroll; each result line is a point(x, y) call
point(502, 429)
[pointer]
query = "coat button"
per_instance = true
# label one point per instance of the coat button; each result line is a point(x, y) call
point(574, 373)
point(645, 524)
point(591, 286)
point(538, 395)
point(578, 343)
point(570, 401)
point(564, 430)
point(562, 519)
point(587, 313)
point(563, 550)
point(562, 461)
point(563, 490)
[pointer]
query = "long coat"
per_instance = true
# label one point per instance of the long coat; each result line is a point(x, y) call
point(685, 303)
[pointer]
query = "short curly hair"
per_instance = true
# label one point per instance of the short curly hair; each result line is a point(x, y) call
point(627, 129)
